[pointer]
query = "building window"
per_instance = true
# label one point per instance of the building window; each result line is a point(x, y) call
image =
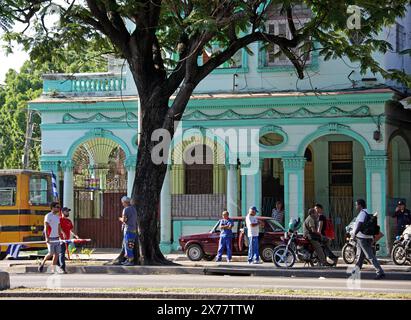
point(399, 38)
point(199, 175)
point(273, 54)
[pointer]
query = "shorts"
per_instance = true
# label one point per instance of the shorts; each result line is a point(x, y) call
point(55, 247)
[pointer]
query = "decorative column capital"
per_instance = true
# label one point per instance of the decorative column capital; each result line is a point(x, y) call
point(67, 165)
point(130, 163)
point(376, 162)
point(294, 163)
point(49, 165)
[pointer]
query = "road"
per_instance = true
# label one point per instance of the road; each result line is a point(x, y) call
point(102, 281)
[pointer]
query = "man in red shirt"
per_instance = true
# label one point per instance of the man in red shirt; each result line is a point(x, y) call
point(66, 232)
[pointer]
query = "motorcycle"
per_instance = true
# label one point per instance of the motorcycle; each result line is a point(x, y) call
point(295, 247)
point(401, 249)
point(349, 250)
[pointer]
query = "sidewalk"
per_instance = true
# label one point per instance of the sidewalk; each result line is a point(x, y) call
point(99, 263)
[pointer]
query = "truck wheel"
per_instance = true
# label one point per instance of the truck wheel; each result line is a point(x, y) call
point(195, 252)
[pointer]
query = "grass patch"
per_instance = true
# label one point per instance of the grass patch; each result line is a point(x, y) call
point(236, 291)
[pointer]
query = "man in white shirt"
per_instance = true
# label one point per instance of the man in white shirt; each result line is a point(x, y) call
point(52, 232)
point(253, 229)
point(364, 241)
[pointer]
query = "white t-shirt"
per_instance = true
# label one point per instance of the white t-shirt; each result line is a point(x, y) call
point(361, 218)
point(252, 231)
point(53, 220)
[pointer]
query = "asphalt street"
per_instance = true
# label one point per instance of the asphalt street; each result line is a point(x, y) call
point(102, 281)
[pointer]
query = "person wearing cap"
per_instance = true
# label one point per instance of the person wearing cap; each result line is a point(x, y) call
point(253, 229)
point(403, 216)
point(129, 220)
point(66, 234)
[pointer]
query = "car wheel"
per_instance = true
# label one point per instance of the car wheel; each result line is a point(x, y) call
point(267, 253)
point(399, 255)
point(349, 253)
point(195, 252)
point(3, 255)
point(208, 257)
point(283, 257)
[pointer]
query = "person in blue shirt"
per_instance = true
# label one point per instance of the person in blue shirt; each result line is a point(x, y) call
point(226, 236)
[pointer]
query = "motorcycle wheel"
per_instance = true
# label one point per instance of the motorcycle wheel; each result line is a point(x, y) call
point(399, 255)
point(349, 253)
point(283, 257)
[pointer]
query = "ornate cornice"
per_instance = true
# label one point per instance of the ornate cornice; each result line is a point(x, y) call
point(99, 117)
point(294, 163)
point(303, 112)
point(376, 162)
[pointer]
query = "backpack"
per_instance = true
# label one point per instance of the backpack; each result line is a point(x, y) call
point(370, 226)
point(329, 229)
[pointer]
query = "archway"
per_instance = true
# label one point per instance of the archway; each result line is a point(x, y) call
point(100, 180)
point(335, 177)
point(399, 179)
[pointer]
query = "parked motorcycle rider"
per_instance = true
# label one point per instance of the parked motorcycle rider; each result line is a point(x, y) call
point(310, 230)
point(326, 242)
point(364, 242)
point(403, 216)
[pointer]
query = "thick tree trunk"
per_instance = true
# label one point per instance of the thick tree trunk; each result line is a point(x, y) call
point(147, 185)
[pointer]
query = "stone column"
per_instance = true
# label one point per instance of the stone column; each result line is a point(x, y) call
point(376, 182)
point(251, 186)
point(165, 215)
point(68, 199)
point(232, 192)
point(293, 188)
point(130, 165)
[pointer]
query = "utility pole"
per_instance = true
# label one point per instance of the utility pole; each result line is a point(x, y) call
point(27, 142)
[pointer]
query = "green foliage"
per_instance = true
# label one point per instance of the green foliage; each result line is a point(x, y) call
point(25, 85)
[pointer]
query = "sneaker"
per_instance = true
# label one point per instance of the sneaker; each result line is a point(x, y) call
point(61, 270)
point(380, 276)
point(257, 262)
point(218, 260)
point(228, 261)
point(40, 268)
point(250, 262)
point(128, 264)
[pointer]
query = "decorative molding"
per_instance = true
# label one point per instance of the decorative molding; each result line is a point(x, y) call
point(67, 165)
point(99, 117)
point(130, 163)
point(333, 127)
point(273, 129)
point(49, 165)
point(294, 163)
point(303, 112)
point(376, 162)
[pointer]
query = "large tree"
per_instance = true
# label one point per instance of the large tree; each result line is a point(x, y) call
point(147, 32)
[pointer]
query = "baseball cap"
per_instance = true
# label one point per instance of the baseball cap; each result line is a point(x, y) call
point(401, 203)
point(66, 209)
point(254, 209)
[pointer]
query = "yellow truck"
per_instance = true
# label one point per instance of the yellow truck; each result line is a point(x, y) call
point(25, 198)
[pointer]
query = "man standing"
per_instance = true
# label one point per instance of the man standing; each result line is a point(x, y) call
point(129, 220)
point(403, 216)
point(321, 229)
point(52, 233)
point(310, 230)
point(278, 212)
point(364, 242)
point(226, 237)
point(67, 232)
point(252, 232)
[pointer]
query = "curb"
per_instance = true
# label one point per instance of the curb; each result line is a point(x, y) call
point(220, 270)
point(4, 280)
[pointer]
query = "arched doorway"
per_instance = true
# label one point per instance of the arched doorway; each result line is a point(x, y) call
point(399, 179)
point(335, 177)
point(100, 180)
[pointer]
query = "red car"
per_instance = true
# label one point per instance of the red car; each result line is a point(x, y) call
point(205, 245)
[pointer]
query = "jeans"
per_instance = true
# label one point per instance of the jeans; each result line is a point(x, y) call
point(253, 253)
point(62, 256)
point(365, 250)
point(225, 243)
point(129, 243)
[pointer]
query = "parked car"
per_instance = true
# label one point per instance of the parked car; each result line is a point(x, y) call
point(205, 245)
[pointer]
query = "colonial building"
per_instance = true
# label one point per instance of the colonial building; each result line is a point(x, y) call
point(263, 136)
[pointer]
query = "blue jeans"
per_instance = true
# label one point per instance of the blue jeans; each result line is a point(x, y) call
point(253, 253)
point(62, 257)
point(225, 243)
point(365, 250)
point(129, 242)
